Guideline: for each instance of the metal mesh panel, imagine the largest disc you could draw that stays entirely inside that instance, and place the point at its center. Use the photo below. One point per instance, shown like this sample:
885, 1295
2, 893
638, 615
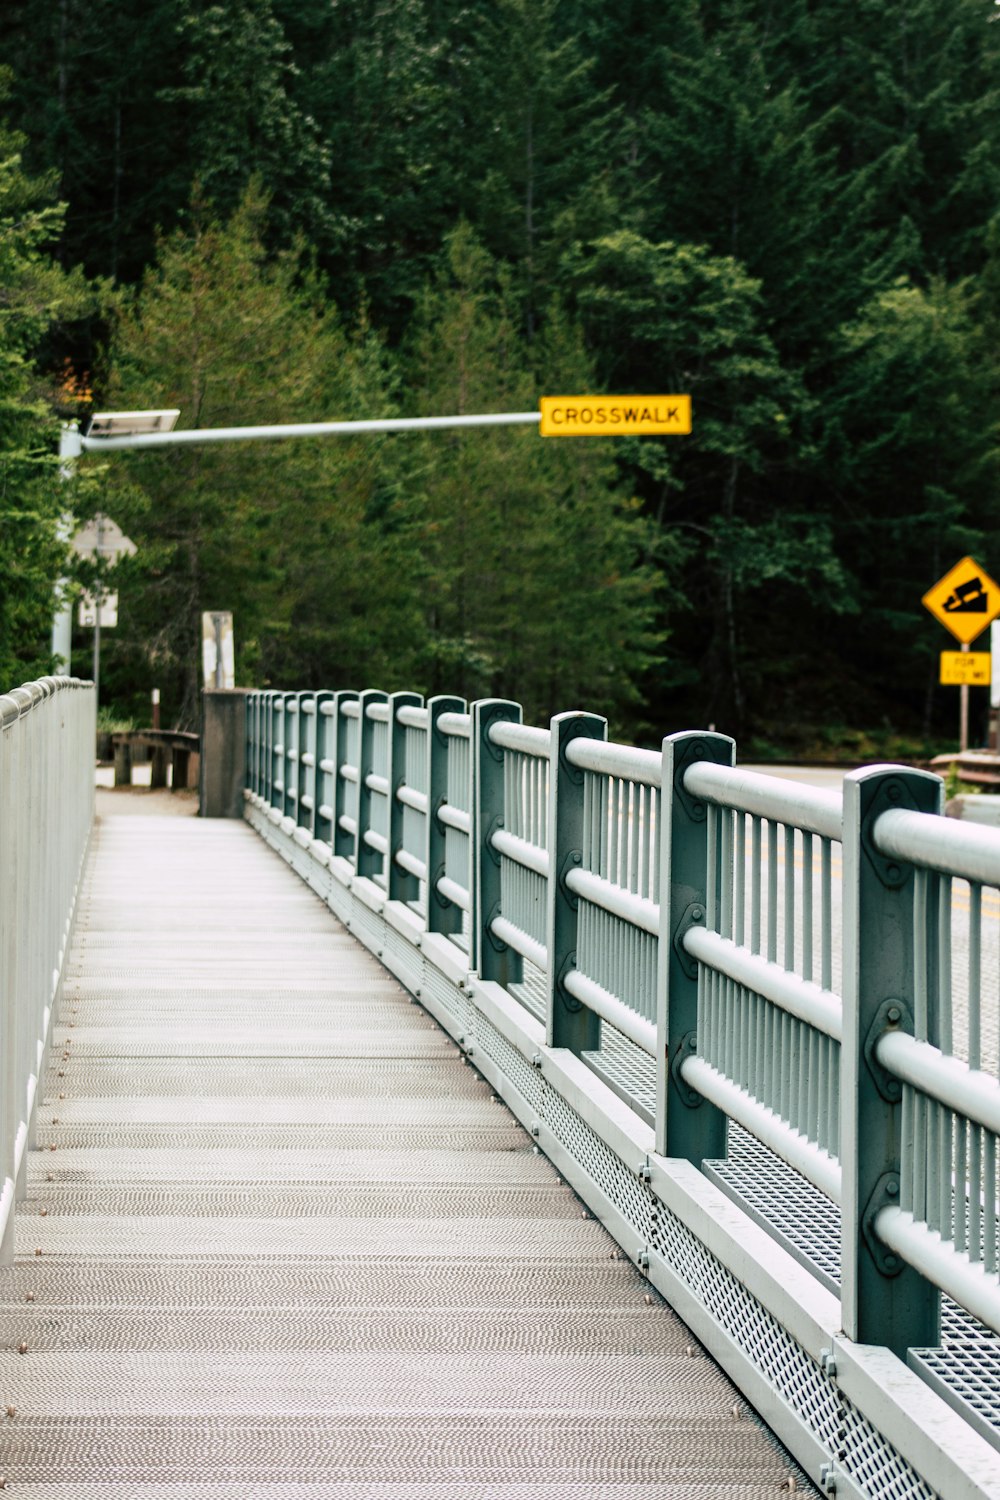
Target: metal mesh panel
526, 1079
619, 1185
405, 959
859, 1448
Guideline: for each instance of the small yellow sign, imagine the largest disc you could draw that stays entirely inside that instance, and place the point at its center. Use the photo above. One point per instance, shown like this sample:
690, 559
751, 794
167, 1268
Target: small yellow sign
615, 416
965, 668
965, 600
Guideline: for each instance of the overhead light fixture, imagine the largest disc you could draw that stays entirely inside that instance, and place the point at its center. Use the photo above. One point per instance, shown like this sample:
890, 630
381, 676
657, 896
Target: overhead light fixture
128, 423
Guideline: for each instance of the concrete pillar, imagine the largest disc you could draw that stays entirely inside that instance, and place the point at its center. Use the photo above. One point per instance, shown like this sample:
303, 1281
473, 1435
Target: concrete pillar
223, 752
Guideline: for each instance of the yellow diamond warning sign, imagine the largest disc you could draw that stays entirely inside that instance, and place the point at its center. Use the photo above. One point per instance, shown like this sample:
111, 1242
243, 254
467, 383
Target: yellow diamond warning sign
615, 416
965, 668
965, 600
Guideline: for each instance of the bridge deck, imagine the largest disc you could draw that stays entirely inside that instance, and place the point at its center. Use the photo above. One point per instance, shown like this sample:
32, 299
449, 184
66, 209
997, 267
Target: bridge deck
279, 1239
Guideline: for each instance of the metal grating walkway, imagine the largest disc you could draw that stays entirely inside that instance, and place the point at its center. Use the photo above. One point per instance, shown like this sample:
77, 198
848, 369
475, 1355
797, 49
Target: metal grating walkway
280, 1240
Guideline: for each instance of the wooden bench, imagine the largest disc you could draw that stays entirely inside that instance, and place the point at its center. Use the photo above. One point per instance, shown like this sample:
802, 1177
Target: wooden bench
176, 748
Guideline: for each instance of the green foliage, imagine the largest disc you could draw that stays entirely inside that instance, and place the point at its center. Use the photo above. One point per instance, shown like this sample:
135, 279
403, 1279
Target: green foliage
538, 578
35, 295
789, 212
298, 539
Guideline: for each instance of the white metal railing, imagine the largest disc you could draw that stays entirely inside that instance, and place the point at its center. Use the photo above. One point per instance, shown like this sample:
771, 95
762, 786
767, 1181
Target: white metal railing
775, 957
46, 810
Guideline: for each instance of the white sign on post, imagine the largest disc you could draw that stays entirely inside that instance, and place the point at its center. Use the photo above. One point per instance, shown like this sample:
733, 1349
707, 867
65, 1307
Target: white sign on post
88, 615
102, 537
995, 673
218, 651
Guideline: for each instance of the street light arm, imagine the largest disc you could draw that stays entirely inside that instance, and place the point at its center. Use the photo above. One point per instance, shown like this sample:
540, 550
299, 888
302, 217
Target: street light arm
306, 429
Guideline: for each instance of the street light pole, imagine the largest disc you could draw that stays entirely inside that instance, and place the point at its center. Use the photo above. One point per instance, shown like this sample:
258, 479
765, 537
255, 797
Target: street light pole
70, 448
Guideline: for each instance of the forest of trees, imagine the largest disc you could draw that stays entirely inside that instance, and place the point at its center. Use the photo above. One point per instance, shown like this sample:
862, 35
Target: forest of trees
306, 210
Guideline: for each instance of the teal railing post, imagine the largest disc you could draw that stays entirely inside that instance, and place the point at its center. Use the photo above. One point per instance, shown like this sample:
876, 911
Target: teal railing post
368, 860
276, 798
488, 956
306, 748
400, 885
686, 1124
322, 827
290, 739
343, 839
567, 1023
442, 915
882, 1301
250, 744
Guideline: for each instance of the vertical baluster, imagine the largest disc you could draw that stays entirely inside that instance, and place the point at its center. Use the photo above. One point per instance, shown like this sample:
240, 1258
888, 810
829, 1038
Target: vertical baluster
975, 974
975, 1193
932, 1115
755, 880
946, 1172
739, 879
991, 1206
906, 1137
919, 939
826, 915
961, 1185
944, 986
726, 872
807, 906
789, 902
772, 891
711, 889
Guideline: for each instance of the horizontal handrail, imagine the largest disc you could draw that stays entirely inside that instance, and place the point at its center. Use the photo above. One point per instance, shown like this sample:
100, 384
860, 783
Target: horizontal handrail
458, 726
638, 910
521, 942
528, 856
411, 864
949, 845
453, 892
809, 808
804, 1156
411, 716
968, 1091
623, 761
454, 817
617, 1014
969, 1283
524, 738
410, 797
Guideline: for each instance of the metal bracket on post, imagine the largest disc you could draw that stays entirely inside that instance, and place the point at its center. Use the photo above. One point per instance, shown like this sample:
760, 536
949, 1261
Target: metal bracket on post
885, 1195
892, 793
567, 1022
693, 916
892, 1015
686, 1047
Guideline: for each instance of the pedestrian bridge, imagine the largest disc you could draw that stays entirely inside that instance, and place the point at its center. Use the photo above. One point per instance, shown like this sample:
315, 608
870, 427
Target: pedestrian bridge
539, 1090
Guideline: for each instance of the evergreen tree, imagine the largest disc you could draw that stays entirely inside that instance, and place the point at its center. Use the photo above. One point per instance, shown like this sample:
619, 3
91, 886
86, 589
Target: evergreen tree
300, 538
536, 586
37, 295
89, 94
